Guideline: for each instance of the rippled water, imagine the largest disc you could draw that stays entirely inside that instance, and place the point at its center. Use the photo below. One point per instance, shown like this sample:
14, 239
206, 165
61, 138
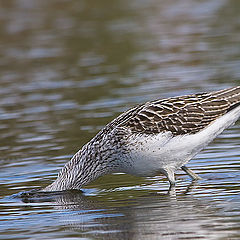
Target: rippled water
69, 67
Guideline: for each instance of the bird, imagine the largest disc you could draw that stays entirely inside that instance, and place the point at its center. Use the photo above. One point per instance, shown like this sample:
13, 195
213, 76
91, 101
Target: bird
156, 137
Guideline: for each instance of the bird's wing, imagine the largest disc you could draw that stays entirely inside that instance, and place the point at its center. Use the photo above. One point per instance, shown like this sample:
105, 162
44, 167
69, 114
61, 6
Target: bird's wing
180, 115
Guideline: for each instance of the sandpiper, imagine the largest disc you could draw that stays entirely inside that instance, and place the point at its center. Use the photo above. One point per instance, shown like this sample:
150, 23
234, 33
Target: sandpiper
159, 136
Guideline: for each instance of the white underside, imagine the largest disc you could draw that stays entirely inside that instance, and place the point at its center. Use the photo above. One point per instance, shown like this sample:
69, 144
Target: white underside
153, 154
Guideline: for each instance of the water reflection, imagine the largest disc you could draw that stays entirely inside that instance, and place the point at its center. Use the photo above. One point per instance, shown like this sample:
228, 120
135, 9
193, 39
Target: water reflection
151, 216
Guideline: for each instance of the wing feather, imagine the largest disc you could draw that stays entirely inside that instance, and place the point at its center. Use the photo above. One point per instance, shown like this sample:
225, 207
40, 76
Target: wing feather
180, 115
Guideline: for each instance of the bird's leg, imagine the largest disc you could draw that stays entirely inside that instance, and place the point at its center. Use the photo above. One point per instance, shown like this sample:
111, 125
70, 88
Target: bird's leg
193, 175
172, 191
169, 173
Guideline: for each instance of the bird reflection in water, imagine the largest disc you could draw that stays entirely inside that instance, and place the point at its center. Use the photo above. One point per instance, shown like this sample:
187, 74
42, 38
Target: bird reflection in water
159, 215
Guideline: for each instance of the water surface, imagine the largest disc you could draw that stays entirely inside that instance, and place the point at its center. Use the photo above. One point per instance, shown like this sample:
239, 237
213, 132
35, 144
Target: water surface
69, 67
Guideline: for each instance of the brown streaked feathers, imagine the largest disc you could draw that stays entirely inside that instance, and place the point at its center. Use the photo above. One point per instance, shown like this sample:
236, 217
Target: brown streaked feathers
181, 115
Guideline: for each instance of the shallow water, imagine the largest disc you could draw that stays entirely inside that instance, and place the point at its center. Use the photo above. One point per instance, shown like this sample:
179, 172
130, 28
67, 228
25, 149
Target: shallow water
68, 68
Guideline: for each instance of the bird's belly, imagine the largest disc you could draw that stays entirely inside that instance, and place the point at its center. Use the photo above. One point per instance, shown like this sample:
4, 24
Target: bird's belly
147, 156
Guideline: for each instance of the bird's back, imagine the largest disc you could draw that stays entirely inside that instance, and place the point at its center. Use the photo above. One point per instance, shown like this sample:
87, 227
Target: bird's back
181, 115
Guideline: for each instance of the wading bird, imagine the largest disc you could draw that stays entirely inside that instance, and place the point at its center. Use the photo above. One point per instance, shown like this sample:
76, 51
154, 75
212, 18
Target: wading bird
159, 136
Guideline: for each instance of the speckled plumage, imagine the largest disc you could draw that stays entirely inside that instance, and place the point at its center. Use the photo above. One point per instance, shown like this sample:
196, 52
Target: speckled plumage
155, 137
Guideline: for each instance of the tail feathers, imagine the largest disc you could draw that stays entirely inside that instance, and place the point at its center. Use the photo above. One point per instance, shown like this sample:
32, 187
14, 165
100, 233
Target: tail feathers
234, 106
232, 95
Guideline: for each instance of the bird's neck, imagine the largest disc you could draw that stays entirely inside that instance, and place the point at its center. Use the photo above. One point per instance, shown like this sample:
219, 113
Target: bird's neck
86, 165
